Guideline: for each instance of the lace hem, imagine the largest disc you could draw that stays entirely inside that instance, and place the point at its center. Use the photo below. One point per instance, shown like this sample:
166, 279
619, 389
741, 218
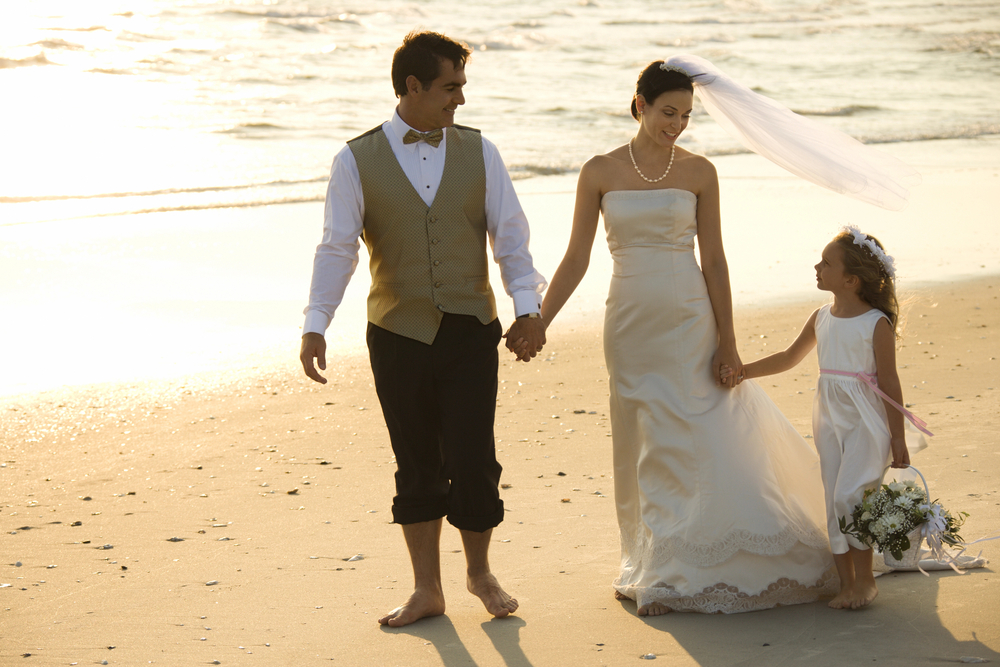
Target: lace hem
723, 598
653, 553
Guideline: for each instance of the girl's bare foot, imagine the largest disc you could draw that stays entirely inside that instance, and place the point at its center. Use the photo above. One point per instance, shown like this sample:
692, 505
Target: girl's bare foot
495, 599
864, 594
420, 605
860, 595
842, 600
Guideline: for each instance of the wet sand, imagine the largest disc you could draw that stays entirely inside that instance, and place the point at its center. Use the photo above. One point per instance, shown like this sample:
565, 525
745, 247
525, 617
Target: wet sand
244, 518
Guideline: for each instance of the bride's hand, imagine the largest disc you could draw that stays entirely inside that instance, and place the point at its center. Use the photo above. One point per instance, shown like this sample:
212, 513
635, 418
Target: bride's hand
727, 372
727, 368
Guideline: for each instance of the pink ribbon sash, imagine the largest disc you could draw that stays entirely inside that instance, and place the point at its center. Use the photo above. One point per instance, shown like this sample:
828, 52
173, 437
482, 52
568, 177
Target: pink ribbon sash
872, 382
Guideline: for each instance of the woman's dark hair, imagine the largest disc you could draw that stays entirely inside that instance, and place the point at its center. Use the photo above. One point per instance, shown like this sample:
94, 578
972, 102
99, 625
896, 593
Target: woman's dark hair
420, 55
654, 81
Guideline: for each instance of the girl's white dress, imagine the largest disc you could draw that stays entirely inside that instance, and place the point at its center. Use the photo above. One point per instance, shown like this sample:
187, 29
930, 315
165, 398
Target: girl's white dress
849, 419
719, 499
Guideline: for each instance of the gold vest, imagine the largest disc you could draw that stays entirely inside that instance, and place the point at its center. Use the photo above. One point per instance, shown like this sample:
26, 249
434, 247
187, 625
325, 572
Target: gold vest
425, 260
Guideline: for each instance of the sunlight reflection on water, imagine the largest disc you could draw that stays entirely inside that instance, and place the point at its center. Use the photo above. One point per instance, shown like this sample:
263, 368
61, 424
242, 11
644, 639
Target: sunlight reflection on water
118, 107
160, 295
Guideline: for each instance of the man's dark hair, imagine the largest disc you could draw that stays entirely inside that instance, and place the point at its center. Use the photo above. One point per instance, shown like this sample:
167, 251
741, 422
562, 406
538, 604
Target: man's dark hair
420, 55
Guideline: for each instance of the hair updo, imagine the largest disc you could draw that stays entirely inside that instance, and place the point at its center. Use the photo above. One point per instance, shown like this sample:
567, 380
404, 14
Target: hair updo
654, 81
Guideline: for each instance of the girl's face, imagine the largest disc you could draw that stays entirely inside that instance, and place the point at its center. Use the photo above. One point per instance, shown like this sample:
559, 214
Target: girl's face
667, 116
830, 273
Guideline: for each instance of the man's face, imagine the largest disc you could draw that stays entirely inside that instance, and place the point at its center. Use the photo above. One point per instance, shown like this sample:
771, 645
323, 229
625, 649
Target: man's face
435, 107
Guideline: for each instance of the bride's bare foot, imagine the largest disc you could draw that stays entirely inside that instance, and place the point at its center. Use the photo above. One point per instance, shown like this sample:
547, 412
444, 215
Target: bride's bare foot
494, 598
420, 605
653, 609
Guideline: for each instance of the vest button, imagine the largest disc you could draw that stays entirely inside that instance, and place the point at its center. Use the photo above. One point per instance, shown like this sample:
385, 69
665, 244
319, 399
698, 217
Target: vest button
437, 284
432, 219
436, 262
434, 241
440, 307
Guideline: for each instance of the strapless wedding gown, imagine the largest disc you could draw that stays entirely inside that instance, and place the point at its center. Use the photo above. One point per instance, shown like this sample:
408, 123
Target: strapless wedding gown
720, 501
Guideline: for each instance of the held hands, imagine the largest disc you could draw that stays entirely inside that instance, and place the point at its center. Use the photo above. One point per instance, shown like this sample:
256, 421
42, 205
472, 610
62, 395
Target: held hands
526, 337
727, 368
726, 373
313, 347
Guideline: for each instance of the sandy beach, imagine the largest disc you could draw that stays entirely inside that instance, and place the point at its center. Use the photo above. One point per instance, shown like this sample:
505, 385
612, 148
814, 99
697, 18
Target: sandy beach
241, 514
174, 490
246, 520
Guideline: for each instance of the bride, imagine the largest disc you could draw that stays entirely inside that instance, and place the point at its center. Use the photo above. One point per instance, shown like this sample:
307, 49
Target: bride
719, 500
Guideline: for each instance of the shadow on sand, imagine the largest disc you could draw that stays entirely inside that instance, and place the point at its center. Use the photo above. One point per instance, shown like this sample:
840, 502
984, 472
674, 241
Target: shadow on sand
440, 632
904, 626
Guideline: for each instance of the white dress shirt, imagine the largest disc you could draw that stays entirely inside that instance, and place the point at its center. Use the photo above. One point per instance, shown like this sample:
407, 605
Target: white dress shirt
337, 256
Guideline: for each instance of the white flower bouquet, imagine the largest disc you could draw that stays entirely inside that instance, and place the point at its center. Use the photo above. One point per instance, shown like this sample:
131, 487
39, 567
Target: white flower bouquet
887, 516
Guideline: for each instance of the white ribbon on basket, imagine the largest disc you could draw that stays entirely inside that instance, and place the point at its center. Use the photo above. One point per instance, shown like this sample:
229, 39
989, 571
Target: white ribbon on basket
936, 526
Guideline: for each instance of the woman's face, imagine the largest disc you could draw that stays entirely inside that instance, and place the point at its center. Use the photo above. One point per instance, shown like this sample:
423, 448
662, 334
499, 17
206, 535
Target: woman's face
667, 116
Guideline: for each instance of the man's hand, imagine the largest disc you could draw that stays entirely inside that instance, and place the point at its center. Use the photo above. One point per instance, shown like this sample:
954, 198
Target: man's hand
526, 337
313, 347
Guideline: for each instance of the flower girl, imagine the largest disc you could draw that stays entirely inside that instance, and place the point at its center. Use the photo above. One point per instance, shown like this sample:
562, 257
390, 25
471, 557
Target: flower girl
857, 420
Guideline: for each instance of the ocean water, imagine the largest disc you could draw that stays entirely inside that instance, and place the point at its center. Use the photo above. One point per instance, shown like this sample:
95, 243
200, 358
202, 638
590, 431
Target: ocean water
121, 107
164, 161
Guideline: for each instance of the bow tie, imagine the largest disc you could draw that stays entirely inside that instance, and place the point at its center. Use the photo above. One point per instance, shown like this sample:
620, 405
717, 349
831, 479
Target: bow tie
433, 137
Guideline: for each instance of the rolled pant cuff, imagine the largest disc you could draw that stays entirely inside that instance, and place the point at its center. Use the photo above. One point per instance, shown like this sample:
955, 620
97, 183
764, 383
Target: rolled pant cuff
408, 515
478, 524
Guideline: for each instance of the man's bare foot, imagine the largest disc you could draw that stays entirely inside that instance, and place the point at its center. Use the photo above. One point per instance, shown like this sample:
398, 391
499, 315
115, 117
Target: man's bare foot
653, 609
496, 600
420, 605
621, 596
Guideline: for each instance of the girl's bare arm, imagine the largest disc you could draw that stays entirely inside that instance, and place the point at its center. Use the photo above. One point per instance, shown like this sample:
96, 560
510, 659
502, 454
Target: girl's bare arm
888, 382
787, 358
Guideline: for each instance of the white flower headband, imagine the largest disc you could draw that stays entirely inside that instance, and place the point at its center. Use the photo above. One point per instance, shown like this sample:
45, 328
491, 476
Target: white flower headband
861, 239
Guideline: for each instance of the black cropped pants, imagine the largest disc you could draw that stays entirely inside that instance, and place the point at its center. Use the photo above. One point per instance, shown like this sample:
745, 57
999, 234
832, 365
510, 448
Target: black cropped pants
439, 403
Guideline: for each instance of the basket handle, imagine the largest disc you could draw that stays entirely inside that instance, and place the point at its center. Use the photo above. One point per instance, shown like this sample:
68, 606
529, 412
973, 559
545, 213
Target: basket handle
922, 479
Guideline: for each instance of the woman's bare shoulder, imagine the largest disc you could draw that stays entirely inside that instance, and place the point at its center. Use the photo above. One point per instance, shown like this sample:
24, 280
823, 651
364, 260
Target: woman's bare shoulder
610, 160
696, 163
605, 166
699, 170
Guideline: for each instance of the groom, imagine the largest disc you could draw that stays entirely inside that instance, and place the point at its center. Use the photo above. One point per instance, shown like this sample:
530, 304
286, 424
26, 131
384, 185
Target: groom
425, 194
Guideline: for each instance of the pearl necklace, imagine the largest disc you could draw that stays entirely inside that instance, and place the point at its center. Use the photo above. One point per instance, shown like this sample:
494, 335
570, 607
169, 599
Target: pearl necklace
650, 180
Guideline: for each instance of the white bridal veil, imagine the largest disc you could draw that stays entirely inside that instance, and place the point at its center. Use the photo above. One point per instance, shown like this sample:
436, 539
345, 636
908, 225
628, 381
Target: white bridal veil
808, 149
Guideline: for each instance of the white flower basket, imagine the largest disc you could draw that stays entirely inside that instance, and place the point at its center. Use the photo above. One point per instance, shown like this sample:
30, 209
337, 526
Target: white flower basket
910, 557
